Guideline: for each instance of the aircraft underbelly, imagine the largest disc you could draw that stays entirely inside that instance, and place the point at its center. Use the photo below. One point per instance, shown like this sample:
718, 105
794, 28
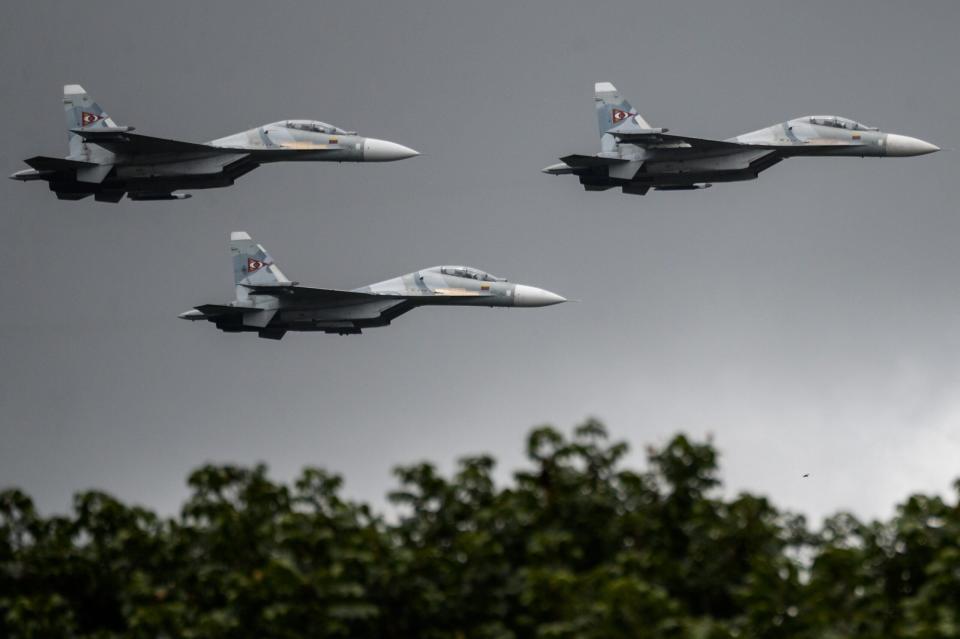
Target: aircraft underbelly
171, 183
306, 155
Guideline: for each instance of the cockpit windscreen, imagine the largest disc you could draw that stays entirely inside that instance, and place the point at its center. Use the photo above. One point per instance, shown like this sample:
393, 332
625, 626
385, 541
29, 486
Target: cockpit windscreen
470, 273
314, 126
837, 122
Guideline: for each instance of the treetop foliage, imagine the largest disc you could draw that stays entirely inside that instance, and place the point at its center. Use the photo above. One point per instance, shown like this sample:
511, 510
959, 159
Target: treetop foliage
577, 545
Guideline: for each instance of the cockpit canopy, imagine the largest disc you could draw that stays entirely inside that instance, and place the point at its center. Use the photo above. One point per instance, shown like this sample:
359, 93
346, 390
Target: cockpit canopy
837, 122
470, 273
313, 126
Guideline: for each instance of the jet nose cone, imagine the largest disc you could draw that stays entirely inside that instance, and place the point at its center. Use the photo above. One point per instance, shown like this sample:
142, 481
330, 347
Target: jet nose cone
375, 150
192, 314
532, 296
904, 146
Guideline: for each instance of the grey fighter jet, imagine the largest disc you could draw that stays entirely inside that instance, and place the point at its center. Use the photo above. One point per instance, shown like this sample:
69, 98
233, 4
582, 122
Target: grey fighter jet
109, 161
636, 157
269, 304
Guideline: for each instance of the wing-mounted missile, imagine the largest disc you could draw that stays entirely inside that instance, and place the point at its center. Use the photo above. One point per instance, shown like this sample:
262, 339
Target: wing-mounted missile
213, 311
682, 187
28, 175
150, 197
560, 168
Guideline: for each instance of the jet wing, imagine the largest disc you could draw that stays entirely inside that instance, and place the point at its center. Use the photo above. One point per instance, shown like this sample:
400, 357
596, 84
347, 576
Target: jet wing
699, 143
317, 295
344, 307
338, 297
122, 141
632, 132
668, 141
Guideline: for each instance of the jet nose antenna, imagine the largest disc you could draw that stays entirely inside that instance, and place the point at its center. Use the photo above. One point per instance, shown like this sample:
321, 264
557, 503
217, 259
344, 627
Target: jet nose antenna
905, 146
375, 150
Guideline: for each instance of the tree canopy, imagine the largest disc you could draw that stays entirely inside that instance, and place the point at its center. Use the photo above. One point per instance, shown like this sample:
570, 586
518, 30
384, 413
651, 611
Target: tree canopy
578, 544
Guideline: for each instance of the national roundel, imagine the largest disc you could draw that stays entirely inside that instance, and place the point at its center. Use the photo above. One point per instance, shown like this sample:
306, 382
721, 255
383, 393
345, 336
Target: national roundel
87, 118
619, 116
254, 265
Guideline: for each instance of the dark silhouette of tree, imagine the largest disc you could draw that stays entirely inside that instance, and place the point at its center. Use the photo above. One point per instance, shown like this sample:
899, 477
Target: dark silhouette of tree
578, 544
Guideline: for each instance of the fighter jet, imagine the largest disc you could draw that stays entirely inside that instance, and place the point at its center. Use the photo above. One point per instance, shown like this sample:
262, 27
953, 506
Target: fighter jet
269, 304
109, 161
636, 157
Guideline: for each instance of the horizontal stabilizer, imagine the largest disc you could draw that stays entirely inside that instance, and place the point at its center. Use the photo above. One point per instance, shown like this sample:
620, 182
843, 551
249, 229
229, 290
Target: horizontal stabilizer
224, 310
630, 129
120, 140
42, 163
586, 161
104, 130
271, 286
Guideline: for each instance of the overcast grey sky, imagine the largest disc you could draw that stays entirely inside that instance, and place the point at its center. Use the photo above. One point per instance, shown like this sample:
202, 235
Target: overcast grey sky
810, 320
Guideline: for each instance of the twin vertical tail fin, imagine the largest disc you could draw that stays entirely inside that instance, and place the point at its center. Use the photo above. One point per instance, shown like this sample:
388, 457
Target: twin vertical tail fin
612, 109
252, 265
82, 113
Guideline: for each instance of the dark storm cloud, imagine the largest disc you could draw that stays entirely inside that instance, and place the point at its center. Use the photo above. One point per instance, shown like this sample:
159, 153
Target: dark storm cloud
809, 319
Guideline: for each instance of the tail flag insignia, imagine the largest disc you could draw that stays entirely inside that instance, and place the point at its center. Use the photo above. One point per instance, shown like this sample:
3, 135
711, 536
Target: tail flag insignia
81, 112
252, 265
87, 118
